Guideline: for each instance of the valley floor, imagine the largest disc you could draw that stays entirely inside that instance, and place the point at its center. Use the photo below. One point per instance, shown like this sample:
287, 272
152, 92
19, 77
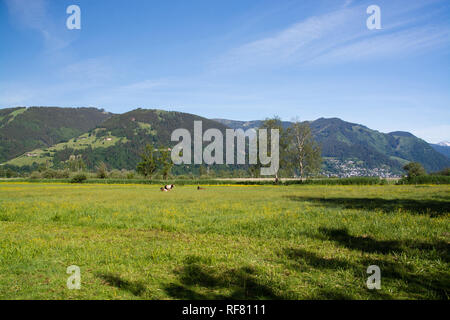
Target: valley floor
224, 242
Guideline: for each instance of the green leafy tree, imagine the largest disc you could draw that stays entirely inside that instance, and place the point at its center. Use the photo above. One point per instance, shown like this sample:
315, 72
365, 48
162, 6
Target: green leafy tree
444, 172
147, 166
165, 162
268, 124
79, 178
304, 151
102, 170
76, 163
42, 167
414, 169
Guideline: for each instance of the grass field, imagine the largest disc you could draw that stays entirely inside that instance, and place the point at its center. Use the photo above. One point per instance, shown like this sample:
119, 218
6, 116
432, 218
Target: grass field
232, 242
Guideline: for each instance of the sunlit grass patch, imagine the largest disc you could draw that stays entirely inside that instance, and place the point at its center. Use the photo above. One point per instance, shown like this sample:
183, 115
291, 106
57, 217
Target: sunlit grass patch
258, 242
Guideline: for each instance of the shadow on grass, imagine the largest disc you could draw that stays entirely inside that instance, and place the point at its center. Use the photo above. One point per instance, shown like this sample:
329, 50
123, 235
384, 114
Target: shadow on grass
433, 208
136, 288
200, 281
302, 260
418, 284
329, 294
368, 244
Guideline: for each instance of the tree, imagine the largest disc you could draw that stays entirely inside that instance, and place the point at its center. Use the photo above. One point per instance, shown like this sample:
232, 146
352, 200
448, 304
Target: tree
414, 169
76, 163
444, 172
253, 170
305, 153
202, 170
147, 166
165, 162
274, 123
102, 170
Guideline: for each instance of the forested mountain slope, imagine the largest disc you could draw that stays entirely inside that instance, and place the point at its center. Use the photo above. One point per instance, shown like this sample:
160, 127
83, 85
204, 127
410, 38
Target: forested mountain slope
24, 129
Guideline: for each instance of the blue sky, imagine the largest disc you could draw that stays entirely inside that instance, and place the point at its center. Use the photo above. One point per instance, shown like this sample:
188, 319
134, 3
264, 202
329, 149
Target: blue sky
235, 59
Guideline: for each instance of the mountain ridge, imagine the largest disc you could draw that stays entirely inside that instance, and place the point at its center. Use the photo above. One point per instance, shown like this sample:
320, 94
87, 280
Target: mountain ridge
347, 141
443, 149
23, 129
117, 139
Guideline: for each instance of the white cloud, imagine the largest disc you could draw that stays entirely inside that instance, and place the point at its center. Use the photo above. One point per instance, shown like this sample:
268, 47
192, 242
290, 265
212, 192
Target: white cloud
433, 134
97, 70
34, 15
347, 3
387, 45
289, 45
31, 14
144, 85
337, 37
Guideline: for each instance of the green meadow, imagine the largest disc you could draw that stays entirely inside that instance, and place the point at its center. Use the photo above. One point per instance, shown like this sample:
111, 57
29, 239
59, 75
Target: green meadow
224, 242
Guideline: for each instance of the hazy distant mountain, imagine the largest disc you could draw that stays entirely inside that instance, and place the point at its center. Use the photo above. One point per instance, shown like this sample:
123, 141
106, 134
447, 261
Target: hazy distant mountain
443, 148
444, 143
245, 125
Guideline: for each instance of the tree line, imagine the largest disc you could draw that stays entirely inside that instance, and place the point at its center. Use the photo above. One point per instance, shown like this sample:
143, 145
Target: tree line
153, 160
300, 154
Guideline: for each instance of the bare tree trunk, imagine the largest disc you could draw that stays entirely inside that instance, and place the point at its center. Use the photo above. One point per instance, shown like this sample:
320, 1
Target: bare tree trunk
301, 169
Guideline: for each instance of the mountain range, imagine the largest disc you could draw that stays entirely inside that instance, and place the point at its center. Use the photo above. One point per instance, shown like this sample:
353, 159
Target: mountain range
442, 147
50, 135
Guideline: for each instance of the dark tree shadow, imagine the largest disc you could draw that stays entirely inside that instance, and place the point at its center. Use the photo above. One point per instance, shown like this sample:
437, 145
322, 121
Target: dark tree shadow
433, 208
300, 258
340, 294
366, 244
136, 288
416, 285
329, 294
194, 276
370, 245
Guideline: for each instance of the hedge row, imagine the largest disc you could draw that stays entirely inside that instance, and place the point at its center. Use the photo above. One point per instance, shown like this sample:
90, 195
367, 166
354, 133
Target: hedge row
330, 181
431, 179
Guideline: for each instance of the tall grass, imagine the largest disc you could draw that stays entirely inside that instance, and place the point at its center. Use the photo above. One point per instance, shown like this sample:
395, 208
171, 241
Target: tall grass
223, 242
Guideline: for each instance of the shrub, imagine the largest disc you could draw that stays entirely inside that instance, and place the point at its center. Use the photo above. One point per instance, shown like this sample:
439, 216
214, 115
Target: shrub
53, 174
115, 174
79, 178
49, 174
445, 172
63, 174
35, 175
414, 169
